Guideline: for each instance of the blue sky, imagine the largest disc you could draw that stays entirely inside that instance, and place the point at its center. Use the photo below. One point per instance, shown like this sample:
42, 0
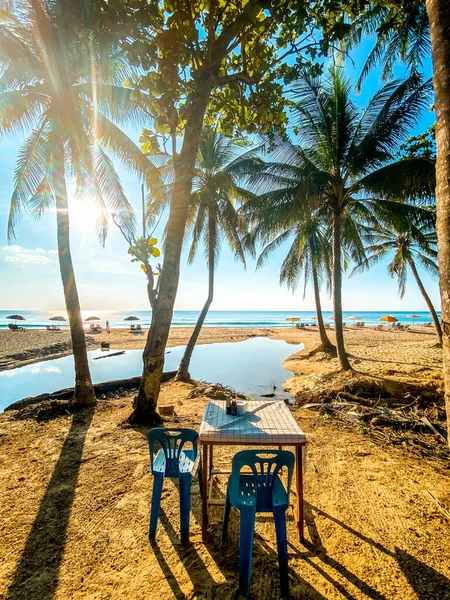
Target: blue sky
108, 280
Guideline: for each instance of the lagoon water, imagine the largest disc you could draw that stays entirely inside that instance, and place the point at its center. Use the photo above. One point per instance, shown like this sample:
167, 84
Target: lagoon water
251, 367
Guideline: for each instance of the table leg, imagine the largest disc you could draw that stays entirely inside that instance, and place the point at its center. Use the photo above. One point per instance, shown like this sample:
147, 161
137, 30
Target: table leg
299, 490
205, 472
210, 461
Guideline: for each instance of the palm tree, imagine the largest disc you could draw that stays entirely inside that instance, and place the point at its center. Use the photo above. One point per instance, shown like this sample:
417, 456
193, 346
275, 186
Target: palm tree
402, 30
345, 161
309, 252
410, 246
48, 86
220, 168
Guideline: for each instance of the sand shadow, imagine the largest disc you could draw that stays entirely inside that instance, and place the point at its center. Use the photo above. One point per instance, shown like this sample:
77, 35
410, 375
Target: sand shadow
37, 573
425, 581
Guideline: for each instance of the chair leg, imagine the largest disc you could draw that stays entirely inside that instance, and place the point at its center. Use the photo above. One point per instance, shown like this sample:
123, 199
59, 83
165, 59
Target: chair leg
185, 506
280, 527
226, 517
200, 480
158, 481
246, 535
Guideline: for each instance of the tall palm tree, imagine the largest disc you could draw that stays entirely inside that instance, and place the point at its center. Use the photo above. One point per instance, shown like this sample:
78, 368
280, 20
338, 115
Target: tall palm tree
346, 161
402, 30
309, 252
410, 247
57, 84
221, 168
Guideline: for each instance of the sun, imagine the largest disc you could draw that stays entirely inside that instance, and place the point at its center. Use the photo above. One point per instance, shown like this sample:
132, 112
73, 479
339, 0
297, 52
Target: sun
84, 214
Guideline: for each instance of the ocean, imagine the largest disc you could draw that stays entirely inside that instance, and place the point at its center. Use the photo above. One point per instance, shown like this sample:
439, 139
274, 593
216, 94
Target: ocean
215, 318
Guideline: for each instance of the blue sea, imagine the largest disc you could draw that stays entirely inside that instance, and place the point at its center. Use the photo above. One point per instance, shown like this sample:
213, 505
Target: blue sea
215, 318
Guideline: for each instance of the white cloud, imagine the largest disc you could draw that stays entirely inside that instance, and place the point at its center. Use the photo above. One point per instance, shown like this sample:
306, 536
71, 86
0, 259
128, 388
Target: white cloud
20, 255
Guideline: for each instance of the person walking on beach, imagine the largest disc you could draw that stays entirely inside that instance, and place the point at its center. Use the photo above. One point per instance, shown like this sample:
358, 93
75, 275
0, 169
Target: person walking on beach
107, 327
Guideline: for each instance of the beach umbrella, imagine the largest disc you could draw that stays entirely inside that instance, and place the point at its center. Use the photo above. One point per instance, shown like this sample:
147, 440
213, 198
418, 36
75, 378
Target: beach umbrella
16, 318
131, 318
353, 318
292, 320
93, 319
413, 317
59, 318
388, 319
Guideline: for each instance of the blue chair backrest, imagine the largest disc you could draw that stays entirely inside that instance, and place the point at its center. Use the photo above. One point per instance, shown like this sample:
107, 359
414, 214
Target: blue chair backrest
171, 441
266, 466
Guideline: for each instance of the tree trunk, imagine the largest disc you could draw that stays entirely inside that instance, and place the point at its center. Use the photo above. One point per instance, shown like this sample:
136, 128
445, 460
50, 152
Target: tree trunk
326, 344
183, 369
337, 291
147, 398
84, 394
439, 17
427, 299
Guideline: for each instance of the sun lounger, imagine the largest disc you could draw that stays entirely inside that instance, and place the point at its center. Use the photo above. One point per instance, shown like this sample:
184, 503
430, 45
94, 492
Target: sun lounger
15, 327
138, 327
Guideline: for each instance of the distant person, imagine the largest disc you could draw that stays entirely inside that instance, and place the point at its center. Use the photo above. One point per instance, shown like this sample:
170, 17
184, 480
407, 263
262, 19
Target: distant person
107, 327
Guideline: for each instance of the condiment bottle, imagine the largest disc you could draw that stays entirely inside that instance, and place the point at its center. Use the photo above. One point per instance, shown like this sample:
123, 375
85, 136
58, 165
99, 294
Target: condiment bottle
234, 407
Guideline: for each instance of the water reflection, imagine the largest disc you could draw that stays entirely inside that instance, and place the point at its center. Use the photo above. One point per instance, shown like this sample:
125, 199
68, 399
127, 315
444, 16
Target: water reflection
252, 367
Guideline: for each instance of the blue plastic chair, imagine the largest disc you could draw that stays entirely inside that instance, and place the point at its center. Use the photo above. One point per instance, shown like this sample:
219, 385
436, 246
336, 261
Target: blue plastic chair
173, 461
259, 491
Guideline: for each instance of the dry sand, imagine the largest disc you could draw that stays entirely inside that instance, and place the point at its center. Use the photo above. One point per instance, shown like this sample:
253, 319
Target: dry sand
75, 494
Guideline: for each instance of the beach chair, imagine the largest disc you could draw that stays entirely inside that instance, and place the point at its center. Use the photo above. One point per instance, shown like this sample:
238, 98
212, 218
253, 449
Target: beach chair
175, 461
261, 490
138, 327
132, 327
15, 327
344, 324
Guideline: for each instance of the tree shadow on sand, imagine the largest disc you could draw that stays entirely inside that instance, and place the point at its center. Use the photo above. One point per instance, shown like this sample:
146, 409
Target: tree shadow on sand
425, 581
37, 573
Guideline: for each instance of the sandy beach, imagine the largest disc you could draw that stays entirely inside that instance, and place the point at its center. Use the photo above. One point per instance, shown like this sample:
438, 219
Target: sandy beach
75, 509
33, 345
373, 506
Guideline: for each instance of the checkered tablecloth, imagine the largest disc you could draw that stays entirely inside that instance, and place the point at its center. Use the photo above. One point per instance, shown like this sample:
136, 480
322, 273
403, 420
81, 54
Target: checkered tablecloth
265, 422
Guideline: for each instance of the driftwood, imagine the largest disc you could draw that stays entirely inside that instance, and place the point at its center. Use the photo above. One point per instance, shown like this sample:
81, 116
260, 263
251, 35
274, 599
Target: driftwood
439, 504
99, 388
109, 355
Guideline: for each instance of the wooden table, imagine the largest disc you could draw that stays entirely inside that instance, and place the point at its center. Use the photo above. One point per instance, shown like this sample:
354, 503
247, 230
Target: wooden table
266, 423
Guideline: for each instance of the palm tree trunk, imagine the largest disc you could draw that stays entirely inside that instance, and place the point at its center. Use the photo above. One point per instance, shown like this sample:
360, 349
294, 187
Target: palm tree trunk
84, 394
337, 290
326, 344
183, 369
423, 291
147, 398
439, 17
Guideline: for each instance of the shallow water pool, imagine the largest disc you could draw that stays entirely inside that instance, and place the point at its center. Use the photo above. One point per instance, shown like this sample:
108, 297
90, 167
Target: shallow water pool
251, 367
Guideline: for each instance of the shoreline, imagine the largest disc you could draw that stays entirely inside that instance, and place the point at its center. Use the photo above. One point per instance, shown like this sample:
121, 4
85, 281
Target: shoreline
19, 348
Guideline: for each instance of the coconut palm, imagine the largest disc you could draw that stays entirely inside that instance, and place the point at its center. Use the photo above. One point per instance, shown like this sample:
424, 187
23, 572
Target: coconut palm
56, 84
309, 253
409, 246
345, 161
221, 168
